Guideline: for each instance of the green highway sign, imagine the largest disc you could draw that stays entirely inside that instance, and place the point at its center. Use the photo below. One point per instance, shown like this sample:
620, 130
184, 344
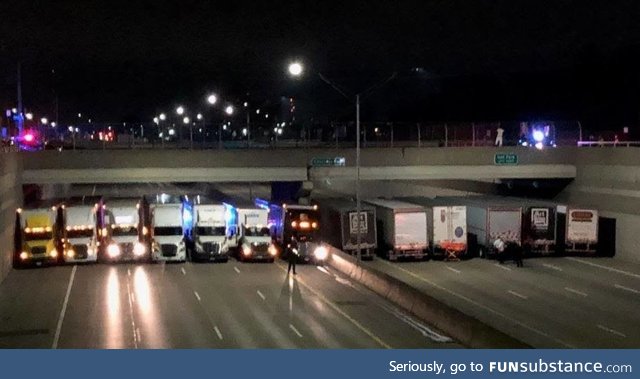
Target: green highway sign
328, 162
504, 159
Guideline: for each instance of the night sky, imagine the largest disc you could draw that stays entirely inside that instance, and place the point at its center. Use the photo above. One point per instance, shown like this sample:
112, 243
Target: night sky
479, 60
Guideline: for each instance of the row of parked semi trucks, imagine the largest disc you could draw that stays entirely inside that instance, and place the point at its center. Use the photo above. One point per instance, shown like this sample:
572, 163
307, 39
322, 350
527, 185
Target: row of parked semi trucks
177, 228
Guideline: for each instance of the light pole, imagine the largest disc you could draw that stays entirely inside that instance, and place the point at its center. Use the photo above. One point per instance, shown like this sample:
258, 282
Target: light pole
187, 121
296, 69
179, 112
162, 117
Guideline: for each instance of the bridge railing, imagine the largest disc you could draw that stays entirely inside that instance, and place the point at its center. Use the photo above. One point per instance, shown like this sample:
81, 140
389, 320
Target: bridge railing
608, 143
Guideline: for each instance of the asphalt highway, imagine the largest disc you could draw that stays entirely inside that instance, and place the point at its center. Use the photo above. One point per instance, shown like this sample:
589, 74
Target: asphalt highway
552, 302
232, 305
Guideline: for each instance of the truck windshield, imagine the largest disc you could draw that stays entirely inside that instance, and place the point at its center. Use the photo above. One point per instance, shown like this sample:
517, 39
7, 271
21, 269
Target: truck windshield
34, 236
256, 232
124, 230
80, 233
210, 230
167, 231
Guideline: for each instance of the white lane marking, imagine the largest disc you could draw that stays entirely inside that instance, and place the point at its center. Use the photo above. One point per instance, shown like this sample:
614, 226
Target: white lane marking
502, 266
217, 332
612, 331
295, 330
236, 269
479, 305
138, 335
514, 293
261, 295
453, 269
569, 289
343, 281
618, 286
337, 309
604, 267
323, 269
134, 330
56, 337
197, 296
133, 297
183, 271
129, 271
553, 267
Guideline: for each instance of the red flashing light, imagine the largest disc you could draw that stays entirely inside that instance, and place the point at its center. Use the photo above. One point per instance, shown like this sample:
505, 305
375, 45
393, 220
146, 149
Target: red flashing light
29, 137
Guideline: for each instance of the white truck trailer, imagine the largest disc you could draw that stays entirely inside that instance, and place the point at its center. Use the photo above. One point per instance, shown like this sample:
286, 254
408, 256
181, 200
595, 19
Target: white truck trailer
446, 226
402, 229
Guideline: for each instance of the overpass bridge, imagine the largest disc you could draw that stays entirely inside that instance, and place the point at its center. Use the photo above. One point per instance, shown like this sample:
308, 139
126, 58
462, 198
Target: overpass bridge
283, 165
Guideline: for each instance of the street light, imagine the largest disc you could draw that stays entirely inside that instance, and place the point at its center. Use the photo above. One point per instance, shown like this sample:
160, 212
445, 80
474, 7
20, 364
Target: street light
212, 99
199, 116
295, 70
44, 121
180, 110
29, 116
229, 110
162, 117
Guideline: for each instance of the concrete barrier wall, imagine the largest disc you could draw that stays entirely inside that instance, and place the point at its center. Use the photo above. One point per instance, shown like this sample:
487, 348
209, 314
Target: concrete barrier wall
608, 179
10, 199
463, 328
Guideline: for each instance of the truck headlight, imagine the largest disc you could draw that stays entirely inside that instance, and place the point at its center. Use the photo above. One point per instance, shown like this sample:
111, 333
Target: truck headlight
139, 249
321, 253
113, 250
273, 250
71, 253
24, 255
53, 253
246, 251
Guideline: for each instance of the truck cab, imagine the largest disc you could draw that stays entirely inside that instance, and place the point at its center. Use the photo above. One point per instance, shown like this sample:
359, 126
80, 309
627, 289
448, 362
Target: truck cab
125, 234
37, 236
80, 232
253, 236
209, 232
295, 230
168, 241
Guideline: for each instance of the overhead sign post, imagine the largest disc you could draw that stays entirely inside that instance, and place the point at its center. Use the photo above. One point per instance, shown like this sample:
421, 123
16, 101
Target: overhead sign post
505, 159
329, 162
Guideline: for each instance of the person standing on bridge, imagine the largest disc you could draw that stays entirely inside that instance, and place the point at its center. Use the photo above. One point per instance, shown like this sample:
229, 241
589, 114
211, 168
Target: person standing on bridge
499, 133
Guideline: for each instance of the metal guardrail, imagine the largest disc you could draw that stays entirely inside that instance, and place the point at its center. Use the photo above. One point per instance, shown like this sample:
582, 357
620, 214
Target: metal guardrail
609, 143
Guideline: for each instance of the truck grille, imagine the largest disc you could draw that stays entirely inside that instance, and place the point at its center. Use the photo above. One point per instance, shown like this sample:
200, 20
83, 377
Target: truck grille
81, 251
210, 247
169, 250
38, 250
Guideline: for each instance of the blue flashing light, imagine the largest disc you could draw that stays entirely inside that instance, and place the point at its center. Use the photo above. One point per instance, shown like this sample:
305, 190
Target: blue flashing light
261, 203
538, 136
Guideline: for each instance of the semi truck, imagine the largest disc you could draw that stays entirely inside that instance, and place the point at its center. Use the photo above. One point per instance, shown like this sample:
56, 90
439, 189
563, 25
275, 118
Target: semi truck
294, 229
208, 228
488, 219
80, 232
253, 238
167, 234
340, 226
446, 227
126, 231
37, 236
402, 229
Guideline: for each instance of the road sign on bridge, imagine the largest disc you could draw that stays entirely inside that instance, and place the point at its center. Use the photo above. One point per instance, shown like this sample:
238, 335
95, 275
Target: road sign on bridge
504, 159
328, 162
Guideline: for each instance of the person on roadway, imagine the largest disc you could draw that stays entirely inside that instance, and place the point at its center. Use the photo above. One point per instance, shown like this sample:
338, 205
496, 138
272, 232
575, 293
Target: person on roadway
292, 257
499, 245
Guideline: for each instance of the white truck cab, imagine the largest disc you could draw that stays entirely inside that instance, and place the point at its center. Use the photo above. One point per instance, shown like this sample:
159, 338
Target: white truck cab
125, 230
80, 234
209, 233
168, 243
253, 237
